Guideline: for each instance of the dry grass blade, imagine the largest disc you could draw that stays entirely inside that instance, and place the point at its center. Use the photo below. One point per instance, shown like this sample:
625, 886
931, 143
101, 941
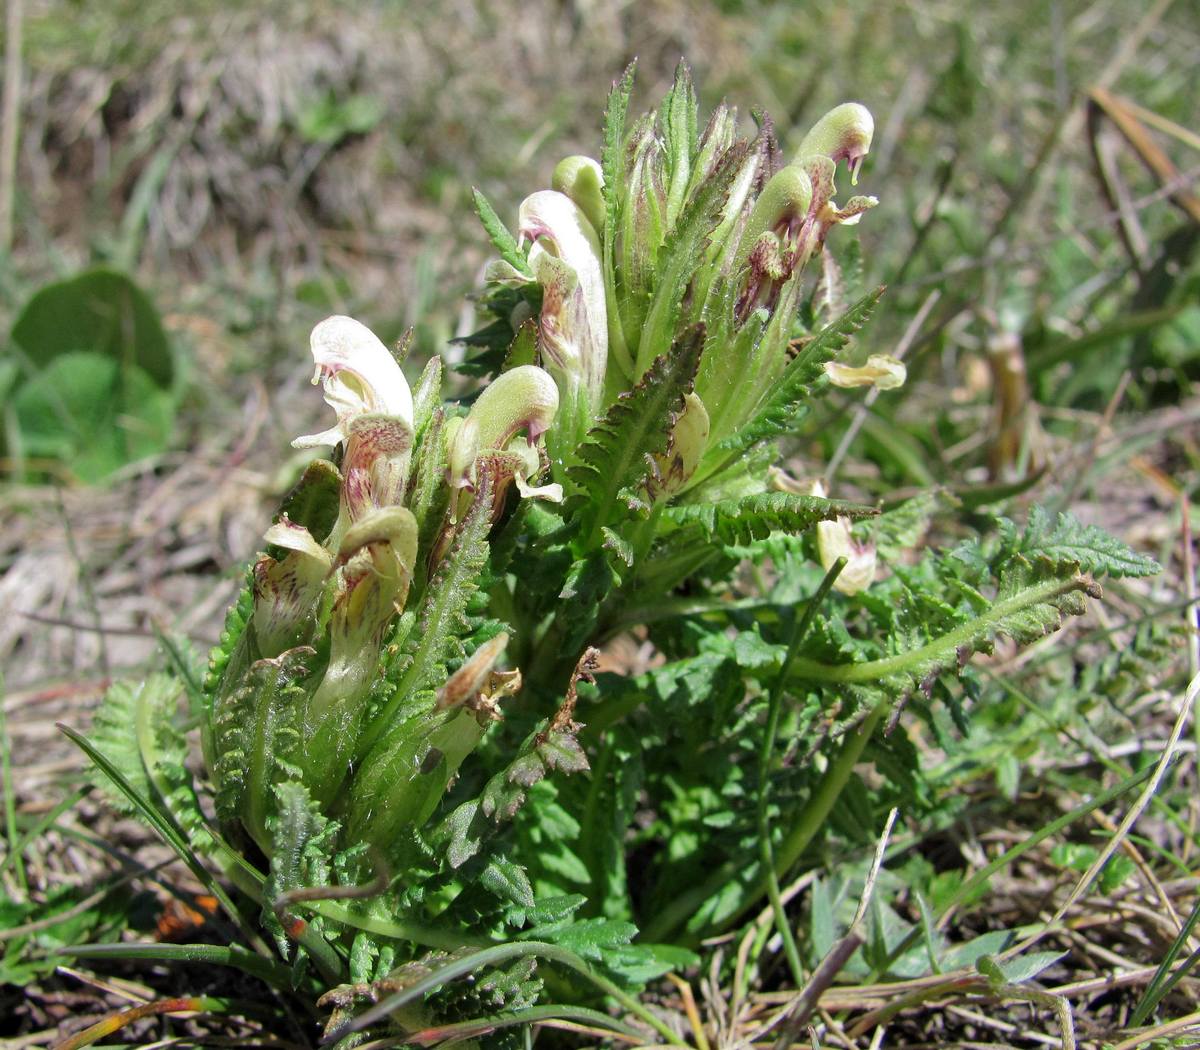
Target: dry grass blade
839, 954
1101, 101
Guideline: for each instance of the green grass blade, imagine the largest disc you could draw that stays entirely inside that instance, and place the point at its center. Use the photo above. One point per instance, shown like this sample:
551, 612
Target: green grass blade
493, 956
162, 824
275, 974
1161, 985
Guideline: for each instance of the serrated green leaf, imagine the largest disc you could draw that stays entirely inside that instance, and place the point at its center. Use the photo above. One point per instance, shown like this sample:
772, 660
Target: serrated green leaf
503, 241
588, 938
616, 543
681, 255
1028, 606
1065, 541
751, 518
787, 401
507, 879
638, 424
612, 164
679, 127
612, 155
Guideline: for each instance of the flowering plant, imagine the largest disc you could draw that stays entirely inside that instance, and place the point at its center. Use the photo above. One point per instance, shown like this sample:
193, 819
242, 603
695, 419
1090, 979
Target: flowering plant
420, 767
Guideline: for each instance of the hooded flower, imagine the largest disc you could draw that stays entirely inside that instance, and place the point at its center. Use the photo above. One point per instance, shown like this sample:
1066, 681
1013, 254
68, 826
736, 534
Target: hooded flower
523, 398
360, 377
363, 384
565, 259
287, 590
844, 133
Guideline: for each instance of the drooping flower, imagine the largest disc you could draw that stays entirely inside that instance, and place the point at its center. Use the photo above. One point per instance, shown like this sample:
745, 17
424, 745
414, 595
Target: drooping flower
881, 371
835, 539
842, 134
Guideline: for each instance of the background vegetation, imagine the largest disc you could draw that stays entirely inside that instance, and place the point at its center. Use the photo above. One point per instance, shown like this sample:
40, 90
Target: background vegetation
239, 173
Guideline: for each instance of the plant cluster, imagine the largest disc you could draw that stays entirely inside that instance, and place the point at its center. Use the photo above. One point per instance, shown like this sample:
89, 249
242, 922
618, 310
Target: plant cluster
418, 769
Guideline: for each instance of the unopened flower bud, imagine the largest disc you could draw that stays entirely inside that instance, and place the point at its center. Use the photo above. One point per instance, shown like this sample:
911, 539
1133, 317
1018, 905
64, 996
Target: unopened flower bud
377, 557
404, 776
689, 438
582, 179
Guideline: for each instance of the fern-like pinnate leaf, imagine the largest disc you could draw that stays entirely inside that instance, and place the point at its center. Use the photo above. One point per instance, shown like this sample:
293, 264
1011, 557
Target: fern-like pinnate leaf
226, 649
255, 724
636, 426
136, 729
1063, 541
750, 518
1028, 608
115, 732
787, 403
303, 844
938, 621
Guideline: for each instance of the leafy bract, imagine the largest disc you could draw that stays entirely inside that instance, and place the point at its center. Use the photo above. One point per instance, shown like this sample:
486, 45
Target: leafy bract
741, 521
786, 404
637, 425
502, 240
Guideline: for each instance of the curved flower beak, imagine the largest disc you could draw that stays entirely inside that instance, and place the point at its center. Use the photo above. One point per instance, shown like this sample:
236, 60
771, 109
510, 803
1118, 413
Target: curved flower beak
582, 179
844, 133
360, 377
